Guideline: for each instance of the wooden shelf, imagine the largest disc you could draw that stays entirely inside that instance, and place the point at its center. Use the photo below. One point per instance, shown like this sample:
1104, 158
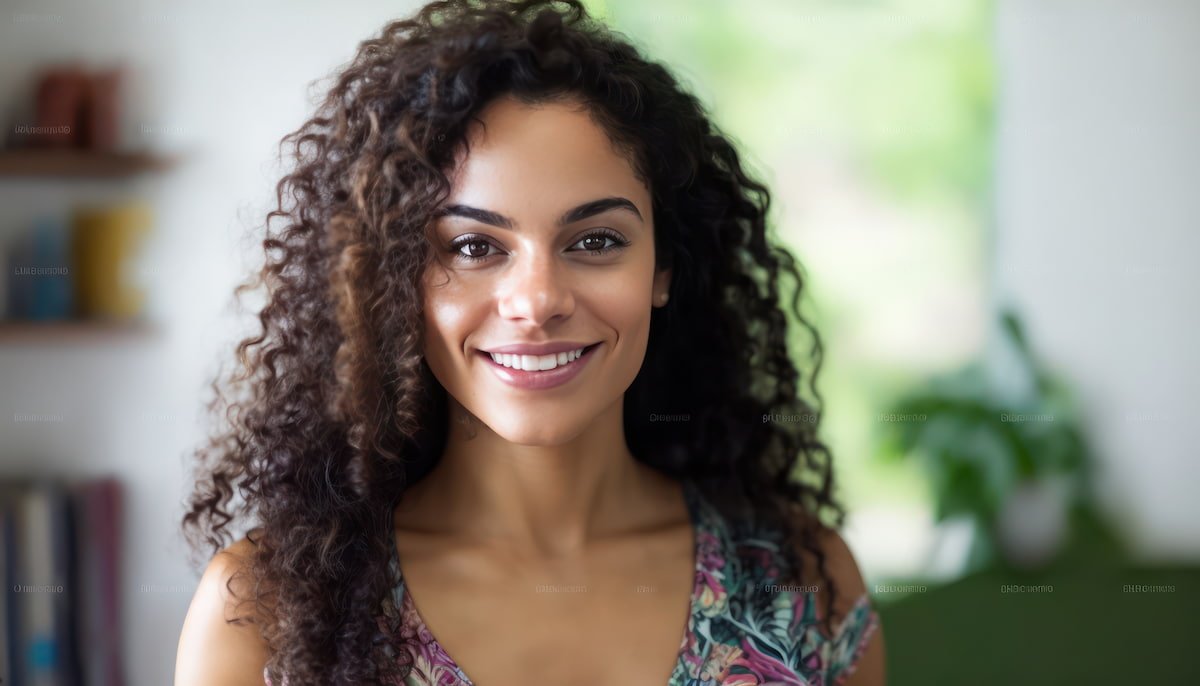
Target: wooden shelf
79, 164
72, 331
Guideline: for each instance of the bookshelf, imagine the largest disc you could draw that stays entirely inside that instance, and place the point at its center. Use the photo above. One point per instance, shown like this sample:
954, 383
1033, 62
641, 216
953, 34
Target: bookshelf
77, 331
71, 163
65, 164
60, 613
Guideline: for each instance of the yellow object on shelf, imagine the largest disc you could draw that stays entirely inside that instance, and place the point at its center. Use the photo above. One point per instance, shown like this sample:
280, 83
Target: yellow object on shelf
104, 242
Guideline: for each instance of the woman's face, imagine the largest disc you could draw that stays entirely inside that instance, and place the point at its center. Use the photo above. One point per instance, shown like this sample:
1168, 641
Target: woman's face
547, 238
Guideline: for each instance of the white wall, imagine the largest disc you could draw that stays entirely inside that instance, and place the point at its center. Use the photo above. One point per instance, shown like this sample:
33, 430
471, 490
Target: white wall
1097, 234
221, 82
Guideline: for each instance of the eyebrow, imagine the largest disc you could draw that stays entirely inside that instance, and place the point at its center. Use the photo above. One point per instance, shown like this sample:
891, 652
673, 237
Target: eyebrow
575, 214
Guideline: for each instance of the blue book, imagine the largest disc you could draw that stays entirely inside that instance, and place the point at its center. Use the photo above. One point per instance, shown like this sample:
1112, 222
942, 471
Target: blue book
19, 286
51, 277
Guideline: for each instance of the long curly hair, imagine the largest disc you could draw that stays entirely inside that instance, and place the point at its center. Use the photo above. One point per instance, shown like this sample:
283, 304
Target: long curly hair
331, 411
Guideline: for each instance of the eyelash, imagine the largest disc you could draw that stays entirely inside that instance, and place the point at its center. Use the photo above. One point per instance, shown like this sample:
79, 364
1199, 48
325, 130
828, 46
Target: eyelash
456, 246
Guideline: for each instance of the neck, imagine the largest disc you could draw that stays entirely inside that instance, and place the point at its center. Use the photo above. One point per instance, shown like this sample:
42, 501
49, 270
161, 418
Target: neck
548, 500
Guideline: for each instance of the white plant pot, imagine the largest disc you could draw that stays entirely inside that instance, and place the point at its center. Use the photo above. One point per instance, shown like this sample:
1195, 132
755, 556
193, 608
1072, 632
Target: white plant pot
1032, 522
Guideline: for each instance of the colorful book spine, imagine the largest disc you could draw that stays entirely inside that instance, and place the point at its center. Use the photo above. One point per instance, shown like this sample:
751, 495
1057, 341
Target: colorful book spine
5, 279
98, 620
36, 586
8, 606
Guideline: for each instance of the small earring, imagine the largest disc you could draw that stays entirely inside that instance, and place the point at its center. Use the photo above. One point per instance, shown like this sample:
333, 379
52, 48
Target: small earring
663, 298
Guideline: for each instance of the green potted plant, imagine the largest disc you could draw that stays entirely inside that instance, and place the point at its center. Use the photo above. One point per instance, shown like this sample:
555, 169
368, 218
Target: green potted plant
1005, 450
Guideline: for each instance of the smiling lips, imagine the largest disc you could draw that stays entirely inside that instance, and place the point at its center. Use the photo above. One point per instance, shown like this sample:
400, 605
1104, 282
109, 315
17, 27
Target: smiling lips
537, 363
523, 369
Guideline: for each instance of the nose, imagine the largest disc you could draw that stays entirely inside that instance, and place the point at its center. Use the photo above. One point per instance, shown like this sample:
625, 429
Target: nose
536, 289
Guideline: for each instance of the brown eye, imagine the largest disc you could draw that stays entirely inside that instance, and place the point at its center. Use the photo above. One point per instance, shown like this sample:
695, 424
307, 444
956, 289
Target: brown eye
477, 249
601, 242
471, 249
594, 242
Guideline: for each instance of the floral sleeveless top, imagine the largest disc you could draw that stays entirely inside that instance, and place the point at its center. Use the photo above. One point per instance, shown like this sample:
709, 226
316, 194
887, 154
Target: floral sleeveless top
745, 629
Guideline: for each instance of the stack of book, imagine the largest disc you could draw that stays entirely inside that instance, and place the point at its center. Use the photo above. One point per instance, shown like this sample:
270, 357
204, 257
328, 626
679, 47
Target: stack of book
76, 265
59, 611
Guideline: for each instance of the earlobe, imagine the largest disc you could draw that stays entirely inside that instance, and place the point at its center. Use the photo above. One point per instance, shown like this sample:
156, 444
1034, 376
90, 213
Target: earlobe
662, 286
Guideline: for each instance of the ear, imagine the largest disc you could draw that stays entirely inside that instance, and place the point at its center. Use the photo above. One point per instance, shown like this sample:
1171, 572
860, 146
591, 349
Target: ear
662, 284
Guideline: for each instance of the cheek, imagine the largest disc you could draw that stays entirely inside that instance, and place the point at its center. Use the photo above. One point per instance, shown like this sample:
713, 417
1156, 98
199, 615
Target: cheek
624, 304
447, 314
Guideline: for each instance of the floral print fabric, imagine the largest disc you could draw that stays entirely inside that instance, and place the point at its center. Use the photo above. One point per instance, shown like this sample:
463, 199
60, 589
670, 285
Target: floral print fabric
745, 628
748, 629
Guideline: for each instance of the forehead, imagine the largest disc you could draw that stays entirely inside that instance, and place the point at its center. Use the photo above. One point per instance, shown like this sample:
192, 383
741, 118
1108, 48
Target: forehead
533, 158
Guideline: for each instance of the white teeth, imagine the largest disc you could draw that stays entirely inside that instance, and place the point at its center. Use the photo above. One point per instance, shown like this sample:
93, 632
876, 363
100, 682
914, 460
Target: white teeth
536, 363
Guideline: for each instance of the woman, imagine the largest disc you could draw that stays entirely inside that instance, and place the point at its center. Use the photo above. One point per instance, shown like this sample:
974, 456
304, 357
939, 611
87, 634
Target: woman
522, 407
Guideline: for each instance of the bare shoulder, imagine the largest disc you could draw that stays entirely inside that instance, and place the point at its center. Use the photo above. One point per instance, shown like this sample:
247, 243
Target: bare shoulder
843, 568
219, 642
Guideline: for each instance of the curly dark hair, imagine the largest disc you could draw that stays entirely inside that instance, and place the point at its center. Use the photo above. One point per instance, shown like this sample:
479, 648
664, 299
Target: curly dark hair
333, 412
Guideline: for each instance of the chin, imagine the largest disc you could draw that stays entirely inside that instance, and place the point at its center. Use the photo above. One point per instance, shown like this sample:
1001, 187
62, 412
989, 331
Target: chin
534, 430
